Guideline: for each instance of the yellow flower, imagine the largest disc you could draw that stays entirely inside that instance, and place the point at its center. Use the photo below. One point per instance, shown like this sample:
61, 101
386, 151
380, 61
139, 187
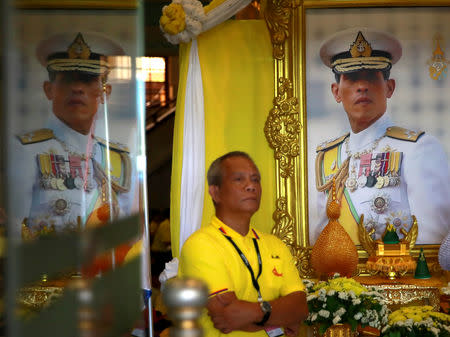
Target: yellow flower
418, 314
173, 19
341, 284
439, 315
396, 316
417, 318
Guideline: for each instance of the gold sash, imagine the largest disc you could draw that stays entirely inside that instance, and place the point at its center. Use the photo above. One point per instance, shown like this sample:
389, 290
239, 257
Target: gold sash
349, 218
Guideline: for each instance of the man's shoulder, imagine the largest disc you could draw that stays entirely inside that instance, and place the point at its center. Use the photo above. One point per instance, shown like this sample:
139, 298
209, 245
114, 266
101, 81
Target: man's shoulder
203, 243
36, 136
115, 146
331, 143
271, 239
404, 134
205, 234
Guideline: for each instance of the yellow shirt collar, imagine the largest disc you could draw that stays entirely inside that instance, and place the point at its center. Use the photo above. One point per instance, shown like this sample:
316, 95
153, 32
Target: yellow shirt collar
216, 222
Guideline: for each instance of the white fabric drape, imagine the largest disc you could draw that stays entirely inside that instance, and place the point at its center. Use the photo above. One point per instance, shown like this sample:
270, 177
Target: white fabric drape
193, 170
223, 12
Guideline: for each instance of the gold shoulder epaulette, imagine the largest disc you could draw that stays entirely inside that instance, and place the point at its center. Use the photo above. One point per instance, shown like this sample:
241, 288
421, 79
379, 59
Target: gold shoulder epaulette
331, 143
36, 136
403, 134
113, 146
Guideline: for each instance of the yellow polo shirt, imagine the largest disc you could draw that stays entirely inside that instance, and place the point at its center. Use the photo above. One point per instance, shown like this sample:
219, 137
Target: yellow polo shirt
209, 256
161, 243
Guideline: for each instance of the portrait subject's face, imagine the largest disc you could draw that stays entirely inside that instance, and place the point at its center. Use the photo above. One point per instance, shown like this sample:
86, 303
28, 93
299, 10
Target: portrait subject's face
75, 98
363, 95
240, 190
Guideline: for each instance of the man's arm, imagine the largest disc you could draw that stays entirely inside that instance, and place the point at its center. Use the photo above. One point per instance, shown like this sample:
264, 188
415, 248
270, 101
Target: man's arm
228, 313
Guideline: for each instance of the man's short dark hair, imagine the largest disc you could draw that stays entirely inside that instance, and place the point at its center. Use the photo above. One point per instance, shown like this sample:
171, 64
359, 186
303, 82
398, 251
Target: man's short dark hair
214, 175
386, 75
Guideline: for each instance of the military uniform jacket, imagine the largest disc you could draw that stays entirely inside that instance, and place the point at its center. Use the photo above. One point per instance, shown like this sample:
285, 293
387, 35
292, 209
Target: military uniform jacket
417, 167
60, 179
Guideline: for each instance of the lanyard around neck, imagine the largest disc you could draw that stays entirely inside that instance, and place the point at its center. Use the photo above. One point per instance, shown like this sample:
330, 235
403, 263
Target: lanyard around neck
247, 264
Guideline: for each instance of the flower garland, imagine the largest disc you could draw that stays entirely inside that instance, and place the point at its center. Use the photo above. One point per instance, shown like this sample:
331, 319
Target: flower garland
417, 321
344, 300
183, 20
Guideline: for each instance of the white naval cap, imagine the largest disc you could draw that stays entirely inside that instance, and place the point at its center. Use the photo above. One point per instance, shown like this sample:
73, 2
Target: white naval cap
360, 48
82, 52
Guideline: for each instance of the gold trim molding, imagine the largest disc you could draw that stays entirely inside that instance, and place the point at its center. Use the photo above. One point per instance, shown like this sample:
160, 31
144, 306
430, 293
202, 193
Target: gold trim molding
285, 127
282, 128
76, 4
286, 231
277, 17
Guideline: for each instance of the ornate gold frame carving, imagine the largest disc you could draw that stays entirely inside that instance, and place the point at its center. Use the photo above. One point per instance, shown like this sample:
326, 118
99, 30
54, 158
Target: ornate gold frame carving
285, 127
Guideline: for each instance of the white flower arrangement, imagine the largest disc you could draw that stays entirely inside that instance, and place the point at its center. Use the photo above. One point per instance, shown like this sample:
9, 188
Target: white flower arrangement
336, 319
324, 313
343, 300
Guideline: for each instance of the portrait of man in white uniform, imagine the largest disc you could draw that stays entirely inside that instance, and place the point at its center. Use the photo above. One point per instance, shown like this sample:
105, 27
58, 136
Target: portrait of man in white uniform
69, 178
382, 171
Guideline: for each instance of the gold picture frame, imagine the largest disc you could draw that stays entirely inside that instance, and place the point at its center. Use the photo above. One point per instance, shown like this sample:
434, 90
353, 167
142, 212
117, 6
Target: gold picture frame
76, 4
286, 124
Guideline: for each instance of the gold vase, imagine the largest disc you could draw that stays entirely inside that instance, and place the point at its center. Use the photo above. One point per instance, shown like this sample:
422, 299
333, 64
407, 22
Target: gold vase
336, 330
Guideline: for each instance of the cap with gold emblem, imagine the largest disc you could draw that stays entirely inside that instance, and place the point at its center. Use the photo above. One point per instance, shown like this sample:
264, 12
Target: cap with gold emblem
360, 48
82, 52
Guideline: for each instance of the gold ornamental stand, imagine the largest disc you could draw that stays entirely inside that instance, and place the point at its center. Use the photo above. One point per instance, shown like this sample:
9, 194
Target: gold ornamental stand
336, 330
406, 290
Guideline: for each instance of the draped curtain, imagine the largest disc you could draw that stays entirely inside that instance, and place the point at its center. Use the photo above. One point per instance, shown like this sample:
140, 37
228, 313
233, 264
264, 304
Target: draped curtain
221, 107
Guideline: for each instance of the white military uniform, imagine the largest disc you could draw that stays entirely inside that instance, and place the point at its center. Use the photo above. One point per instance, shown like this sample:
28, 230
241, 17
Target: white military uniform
53, 186
422, 189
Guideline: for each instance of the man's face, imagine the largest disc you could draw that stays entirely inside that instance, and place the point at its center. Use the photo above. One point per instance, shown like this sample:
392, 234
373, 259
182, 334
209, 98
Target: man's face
75, 98
364, 96
240, 190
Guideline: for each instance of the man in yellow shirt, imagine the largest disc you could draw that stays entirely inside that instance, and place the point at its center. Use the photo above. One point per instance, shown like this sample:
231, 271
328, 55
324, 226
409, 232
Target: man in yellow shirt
255, 289
161, 252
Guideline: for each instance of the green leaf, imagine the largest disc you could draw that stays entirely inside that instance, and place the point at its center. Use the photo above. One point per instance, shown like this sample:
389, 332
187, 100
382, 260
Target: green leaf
324, 327
332, 303
395, 334
353, 323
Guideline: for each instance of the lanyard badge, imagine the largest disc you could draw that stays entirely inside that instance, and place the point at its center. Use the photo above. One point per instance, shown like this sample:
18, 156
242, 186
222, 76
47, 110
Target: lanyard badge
271, 331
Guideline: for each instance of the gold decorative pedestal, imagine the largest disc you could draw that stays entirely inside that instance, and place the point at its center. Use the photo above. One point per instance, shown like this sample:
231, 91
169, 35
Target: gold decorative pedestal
406, 291
399, 295
37, 297
392, 260
337, 330
32, 299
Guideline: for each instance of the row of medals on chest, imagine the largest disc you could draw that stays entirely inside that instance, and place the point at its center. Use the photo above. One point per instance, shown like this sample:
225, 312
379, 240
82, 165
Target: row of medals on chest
55, 175
374, 169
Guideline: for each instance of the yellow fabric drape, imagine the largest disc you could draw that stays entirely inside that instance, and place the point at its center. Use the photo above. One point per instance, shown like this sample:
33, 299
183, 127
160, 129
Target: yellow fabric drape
237, 74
